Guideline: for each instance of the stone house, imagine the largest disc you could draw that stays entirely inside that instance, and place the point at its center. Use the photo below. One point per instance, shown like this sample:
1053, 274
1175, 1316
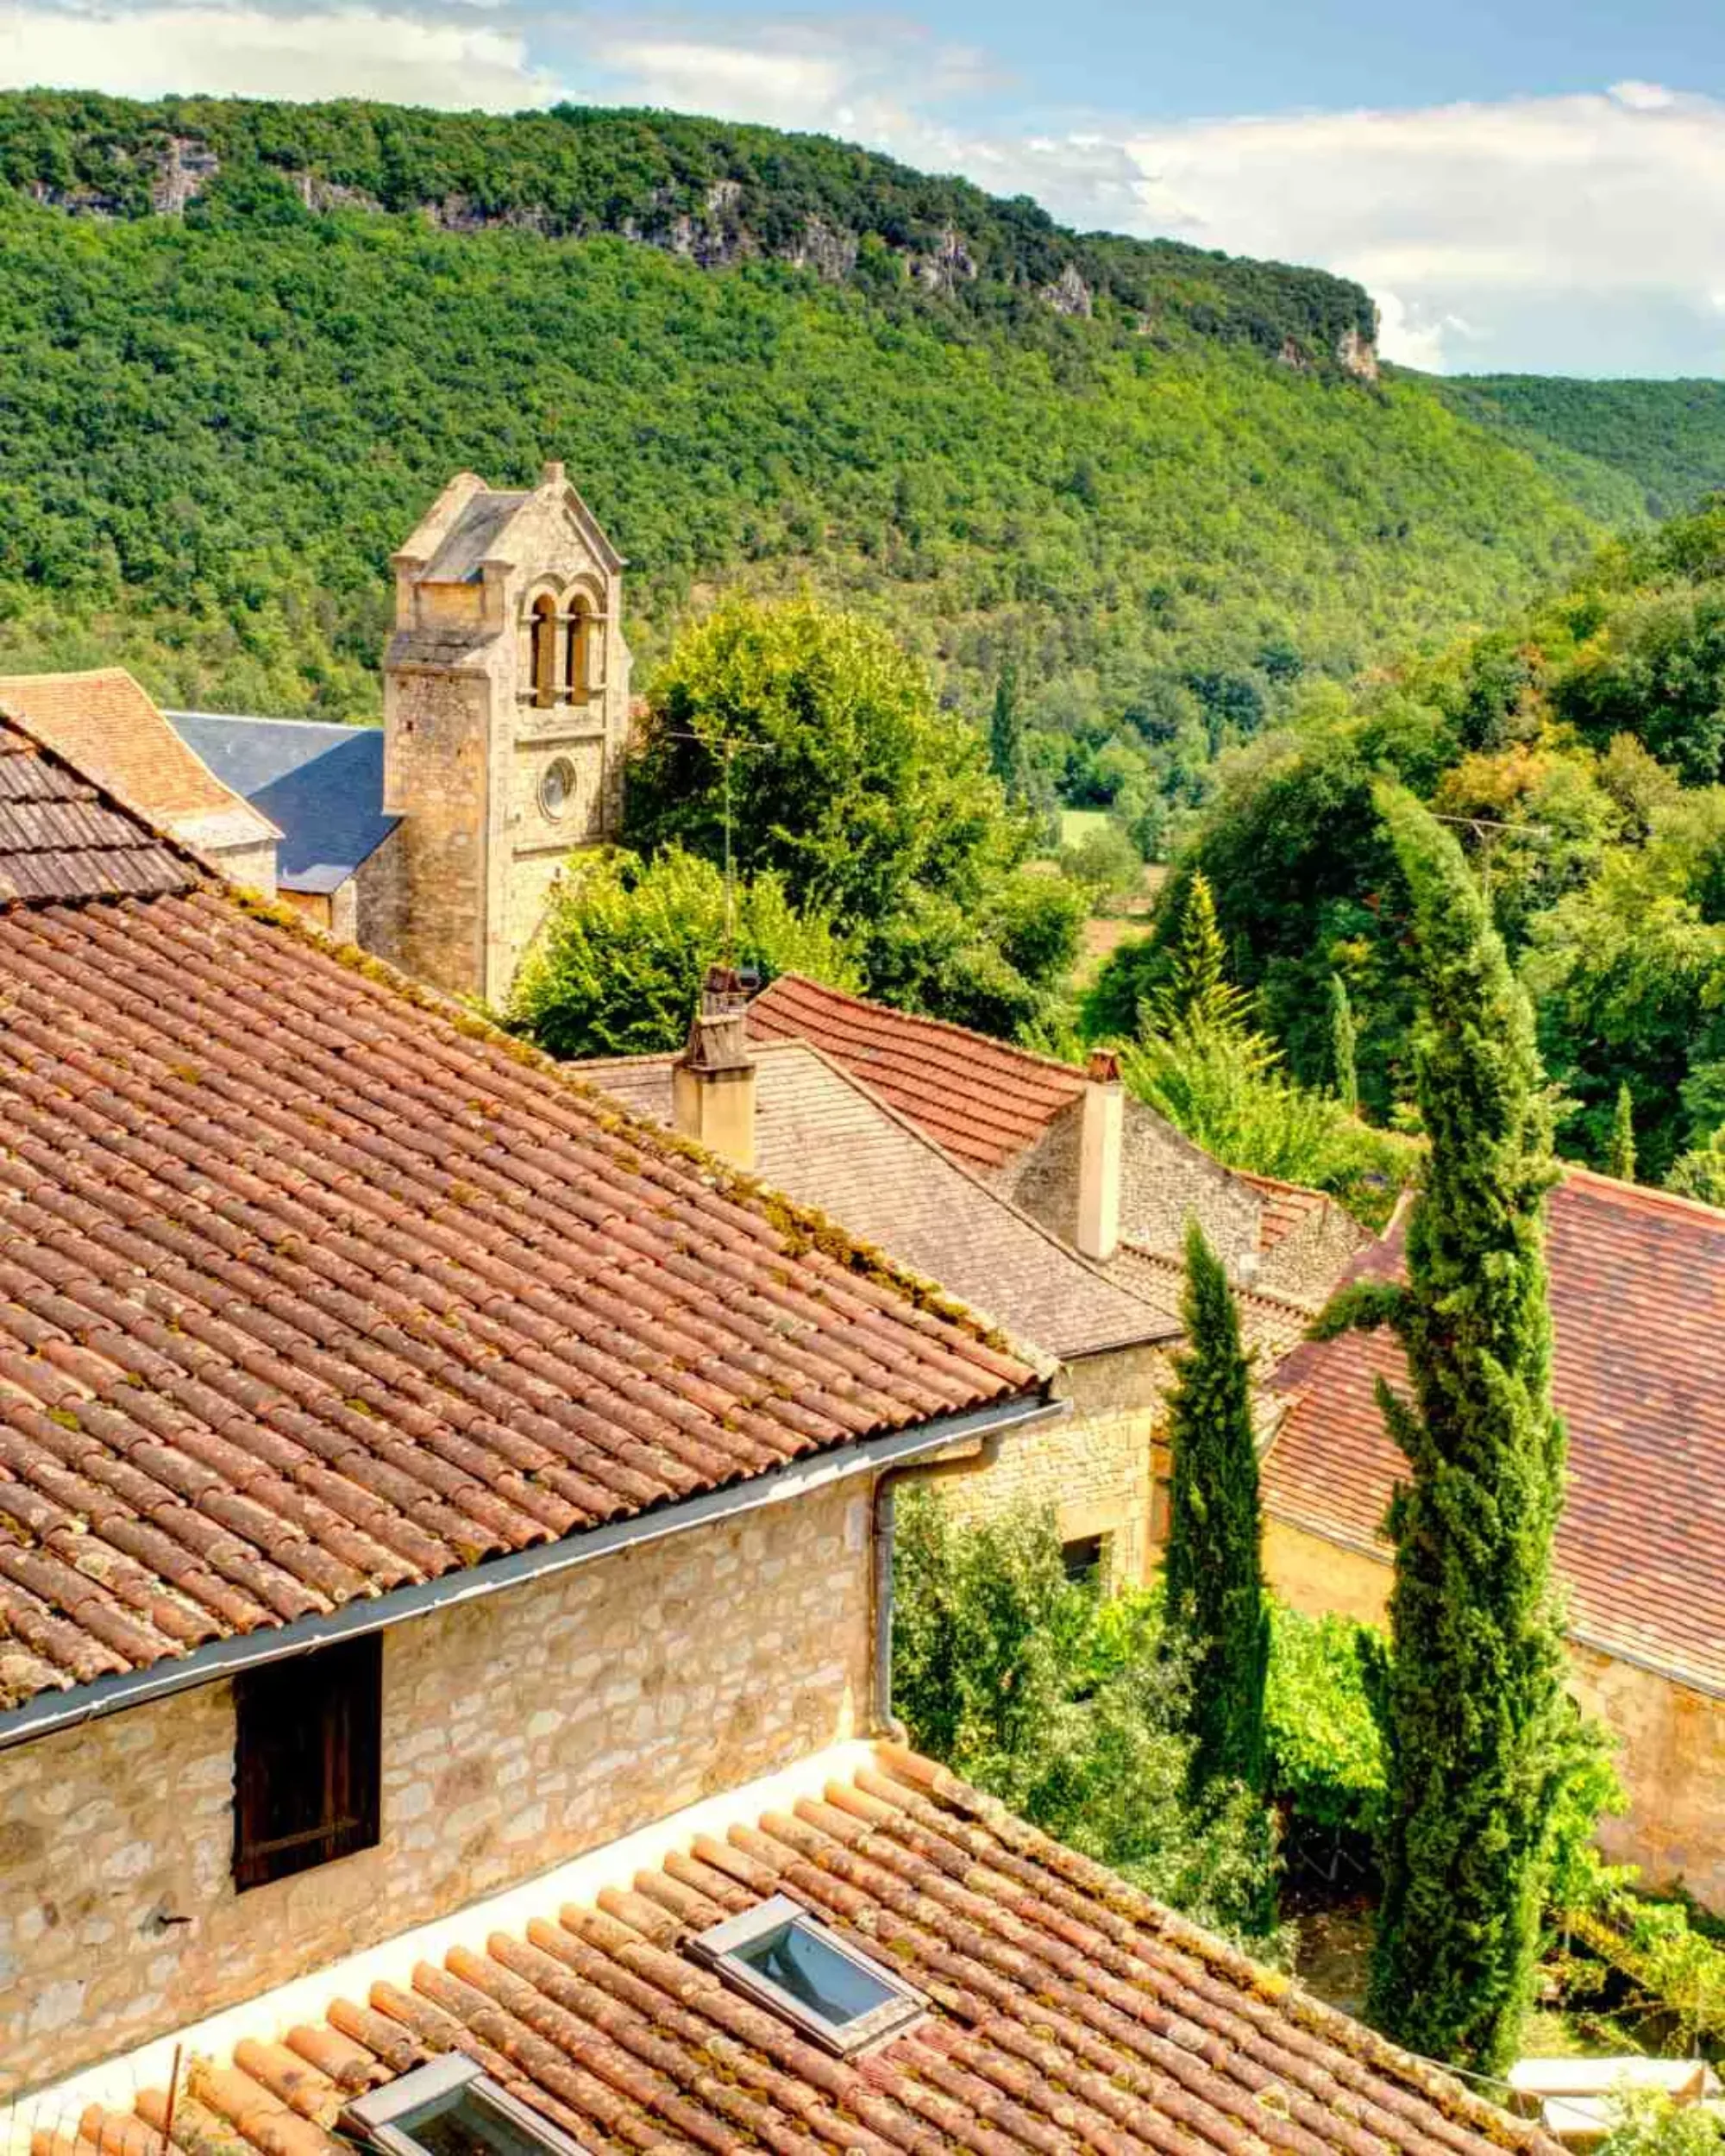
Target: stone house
412, 1472
1022, 1121
1637, 1293
444, 1597
813, 1130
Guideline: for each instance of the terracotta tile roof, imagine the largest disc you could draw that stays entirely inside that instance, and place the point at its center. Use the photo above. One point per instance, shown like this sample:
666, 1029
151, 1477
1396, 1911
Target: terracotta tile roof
826, 1138
1068, 2013
309, 1289
983, 1100
1637, 1305
1286, 1207
60, 838
106, 725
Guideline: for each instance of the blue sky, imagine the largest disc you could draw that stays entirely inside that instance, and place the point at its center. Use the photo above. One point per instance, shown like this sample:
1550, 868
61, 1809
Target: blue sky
1536, 185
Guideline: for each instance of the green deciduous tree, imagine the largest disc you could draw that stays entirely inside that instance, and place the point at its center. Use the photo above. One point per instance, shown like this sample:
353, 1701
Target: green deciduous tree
875, 806
1475, 1713
1213, 1569
1073, 1710
617, 968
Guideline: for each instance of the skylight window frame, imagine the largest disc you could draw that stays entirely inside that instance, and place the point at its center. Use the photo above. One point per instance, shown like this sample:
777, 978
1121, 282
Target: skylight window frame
371, 2119
717, 1949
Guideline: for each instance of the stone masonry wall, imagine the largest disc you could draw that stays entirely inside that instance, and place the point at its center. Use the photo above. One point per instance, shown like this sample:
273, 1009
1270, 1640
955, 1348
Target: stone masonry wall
253, 868
1306, 1263
1101, 1467
1670, 1757
518, 1732
1164, 1179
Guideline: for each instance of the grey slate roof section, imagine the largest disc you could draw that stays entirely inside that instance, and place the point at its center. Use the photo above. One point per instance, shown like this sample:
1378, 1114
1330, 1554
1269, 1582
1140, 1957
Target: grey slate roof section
321, 785
471, 538
826, 1140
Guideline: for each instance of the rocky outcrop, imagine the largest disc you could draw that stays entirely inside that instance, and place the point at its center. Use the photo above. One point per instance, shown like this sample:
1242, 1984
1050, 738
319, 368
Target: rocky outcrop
1357, 354
185, 172
1069, 294
948, 264
828, 250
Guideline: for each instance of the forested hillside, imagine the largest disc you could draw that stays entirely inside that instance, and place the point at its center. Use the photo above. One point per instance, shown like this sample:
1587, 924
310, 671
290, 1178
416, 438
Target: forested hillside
1579, 752
245, 344
1667, 438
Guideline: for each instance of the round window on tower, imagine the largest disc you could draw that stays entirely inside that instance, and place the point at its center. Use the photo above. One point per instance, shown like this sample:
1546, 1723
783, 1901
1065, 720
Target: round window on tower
557, 788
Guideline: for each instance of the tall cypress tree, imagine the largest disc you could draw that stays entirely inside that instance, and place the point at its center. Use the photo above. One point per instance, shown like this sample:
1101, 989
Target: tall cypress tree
1007, 733
1344, 1069
1621, 1161
1213, 1569
1476, 1692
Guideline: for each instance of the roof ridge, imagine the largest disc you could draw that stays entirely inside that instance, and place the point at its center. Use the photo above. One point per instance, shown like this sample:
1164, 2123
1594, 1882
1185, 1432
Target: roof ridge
1006, 1204
918, 1018
1625, 1190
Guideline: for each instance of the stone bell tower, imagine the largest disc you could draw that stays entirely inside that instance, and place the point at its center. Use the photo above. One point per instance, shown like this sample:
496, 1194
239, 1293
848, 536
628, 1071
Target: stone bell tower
506, 722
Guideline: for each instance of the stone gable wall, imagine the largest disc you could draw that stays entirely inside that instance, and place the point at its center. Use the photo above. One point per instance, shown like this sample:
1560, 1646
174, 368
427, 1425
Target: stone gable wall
518, 1732
1164, 1179
1103, 1468
1306, 1263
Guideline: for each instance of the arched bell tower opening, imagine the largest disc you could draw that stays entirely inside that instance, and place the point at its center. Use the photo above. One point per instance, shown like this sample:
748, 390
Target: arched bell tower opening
505, 721
542, 647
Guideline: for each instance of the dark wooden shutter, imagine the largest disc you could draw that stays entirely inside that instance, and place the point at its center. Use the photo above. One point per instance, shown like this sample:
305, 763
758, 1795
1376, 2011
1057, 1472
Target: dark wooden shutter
307, 1760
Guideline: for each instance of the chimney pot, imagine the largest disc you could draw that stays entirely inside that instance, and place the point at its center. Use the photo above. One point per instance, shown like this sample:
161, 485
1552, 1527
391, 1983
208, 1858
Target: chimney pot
1104, 1066
712, 1081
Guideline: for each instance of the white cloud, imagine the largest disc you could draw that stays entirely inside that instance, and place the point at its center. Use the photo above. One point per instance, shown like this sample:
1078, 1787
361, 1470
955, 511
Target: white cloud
1481, 212
248, 52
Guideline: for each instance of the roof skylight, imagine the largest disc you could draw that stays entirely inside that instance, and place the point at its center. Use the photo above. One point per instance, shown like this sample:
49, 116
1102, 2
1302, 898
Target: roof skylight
788, 1960
451, 2108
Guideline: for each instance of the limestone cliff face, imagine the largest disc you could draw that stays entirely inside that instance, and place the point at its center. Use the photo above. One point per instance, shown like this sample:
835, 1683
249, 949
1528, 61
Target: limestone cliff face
709, 194
1357, 354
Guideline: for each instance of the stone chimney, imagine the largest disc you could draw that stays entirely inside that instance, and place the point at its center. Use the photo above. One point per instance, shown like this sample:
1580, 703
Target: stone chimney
1101, 1146
712, 1081
554, 475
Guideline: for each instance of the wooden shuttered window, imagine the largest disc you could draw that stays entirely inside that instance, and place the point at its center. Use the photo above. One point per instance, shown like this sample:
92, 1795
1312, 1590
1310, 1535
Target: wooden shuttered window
307, 1763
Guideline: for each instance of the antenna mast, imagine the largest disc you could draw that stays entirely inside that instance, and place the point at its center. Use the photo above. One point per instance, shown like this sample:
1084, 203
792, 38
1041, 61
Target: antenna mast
727, 745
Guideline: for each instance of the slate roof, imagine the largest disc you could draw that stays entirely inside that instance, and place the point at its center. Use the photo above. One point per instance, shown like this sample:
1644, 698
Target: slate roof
1270, 1323
108, 726
1638, 1306
321, 785
310, 1289
1068, 2013
983, 1100
827, 1140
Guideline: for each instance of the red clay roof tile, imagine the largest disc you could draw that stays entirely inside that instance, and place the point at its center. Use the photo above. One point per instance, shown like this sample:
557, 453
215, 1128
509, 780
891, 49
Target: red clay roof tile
1638, 1309
301, 1326
983, 1100
1067, 2013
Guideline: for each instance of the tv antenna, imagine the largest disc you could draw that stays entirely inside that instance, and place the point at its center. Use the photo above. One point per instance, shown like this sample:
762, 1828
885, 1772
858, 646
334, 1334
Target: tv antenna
727, 746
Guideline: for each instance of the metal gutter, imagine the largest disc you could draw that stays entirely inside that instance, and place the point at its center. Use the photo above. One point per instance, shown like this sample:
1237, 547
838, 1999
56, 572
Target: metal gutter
48, 1713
